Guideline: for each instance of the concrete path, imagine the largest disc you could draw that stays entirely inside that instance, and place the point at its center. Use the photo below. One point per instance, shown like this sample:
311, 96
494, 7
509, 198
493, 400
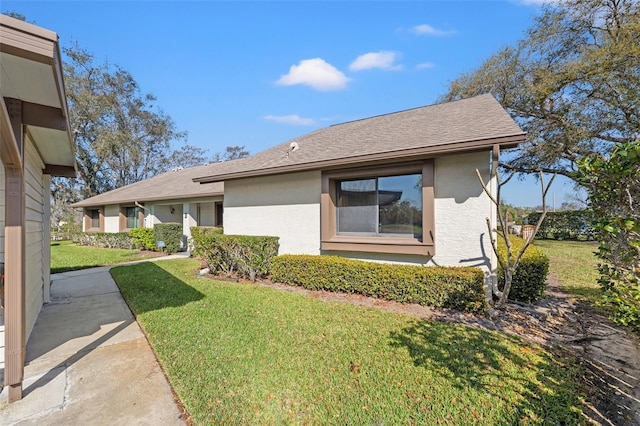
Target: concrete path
89, 363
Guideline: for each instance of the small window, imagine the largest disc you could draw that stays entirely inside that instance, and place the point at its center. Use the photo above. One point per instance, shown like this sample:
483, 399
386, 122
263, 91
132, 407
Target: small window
381, 206
94, 214
132, 217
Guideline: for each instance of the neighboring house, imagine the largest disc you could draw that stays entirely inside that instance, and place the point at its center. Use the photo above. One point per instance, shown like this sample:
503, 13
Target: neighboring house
36, 144
400, 187
170, 197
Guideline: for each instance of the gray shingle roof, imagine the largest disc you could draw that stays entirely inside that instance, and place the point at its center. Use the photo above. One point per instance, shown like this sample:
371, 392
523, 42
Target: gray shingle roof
464, 125
174, 185
468, 124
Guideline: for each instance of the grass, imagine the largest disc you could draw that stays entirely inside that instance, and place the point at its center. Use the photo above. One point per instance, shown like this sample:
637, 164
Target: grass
575, 265
66, 256
249, 354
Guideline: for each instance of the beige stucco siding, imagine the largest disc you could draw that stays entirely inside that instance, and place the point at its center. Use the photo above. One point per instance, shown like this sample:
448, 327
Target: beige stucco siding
461, 209
287, 206
206, 214
112, 218
36, 195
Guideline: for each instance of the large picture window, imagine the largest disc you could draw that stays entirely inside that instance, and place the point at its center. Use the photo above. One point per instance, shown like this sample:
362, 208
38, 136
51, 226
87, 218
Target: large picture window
380, 206
382, 209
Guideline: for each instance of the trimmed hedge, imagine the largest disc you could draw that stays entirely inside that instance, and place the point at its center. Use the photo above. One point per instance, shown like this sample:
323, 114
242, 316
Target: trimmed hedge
119, 240
143, 238
459, 288
170, 234
197, 233
248, 256
530, 279
565, 225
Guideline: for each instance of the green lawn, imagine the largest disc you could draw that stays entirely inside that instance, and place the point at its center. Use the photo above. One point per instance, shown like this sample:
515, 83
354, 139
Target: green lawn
249, 354
575, 265
66, 256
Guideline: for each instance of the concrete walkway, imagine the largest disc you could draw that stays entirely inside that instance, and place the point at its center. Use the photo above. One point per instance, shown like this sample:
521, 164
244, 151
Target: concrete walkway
89, 363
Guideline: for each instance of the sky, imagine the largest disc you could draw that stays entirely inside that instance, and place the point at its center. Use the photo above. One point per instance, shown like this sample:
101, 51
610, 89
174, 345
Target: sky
256, 74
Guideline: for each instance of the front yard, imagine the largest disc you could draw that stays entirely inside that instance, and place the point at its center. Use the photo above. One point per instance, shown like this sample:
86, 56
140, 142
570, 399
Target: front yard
249, 354
66, 256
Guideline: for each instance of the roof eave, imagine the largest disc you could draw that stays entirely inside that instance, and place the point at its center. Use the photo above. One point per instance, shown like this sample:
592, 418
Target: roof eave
98, 203
509, 141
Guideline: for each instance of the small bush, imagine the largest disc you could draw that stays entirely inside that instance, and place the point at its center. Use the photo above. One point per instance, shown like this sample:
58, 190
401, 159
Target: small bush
530, 279
170, 234
143, 238
198, 238
119, 240
249, 256
448, 287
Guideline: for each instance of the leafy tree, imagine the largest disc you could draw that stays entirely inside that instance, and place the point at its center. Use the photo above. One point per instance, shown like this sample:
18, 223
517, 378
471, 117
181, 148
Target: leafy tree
120, 136
573, 83
613, 183
231, 153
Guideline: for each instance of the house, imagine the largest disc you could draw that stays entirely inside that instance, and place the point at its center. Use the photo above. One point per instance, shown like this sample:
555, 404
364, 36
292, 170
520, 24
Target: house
399, 187
169, 197
36, 144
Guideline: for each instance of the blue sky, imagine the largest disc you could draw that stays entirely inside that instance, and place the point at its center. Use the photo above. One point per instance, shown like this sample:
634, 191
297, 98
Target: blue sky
260, 73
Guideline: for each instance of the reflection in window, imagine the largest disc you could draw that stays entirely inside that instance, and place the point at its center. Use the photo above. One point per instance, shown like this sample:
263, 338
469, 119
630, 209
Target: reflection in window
382, 206
132, 217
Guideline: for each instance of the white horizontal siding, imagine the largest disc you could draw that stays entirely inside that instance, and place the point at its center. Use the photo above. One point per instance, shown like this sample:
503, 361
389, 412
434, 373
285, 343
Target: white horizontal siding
34, 234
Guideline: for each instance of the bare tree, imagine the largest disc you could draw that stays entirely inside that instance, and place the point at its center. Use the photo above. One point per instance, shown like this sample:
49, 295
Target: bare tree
512, 261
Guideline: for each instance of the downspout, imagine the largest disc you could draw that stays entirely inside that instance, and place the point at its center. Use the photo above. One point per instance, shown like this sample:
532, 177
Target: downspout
493, 267
137, 204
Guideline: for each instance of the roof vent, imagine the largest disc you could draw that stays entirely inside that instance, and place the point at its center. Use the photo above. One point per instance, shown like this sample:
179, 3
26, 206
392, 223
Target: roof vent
293, 146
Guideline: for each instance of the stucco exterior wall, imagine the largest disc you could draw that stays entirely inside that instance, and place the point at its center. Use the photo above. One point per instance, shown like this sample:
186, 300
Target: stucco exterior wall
207, 214
287, 206
163, 213
112, 218
35, 195
461, 209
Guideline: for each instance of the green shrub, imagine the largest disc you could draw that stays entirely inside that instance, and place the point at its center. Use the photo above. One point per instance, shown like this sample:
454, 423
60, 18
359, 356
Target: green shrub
143, 238
448, 287
249, 256
170, 234
198, 237
119, 240
530, 279
565, 225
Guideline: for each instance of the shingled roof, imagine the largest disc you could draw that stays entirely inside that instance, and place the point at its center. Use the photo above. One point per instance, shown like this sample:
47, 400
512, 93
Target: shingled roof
173, 185
465, 125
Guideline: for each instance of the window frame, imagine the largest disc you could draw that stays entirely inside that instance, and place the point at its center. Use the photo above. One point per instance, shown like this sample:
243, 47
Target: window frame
330, 240
88, 219
123, 217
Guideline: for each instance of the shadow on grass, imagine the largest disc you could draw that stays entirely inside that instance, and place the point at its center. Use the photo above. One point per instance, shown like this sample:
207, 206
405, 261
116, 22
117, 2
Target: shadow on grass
148, 287
534, 386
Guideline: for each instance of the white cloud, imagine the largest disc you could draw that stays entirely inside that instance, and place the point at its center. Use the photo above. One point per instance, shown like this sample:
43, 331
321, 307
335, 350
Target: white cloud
293, 119
316, 73
425, 65
426, 29
383, 60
